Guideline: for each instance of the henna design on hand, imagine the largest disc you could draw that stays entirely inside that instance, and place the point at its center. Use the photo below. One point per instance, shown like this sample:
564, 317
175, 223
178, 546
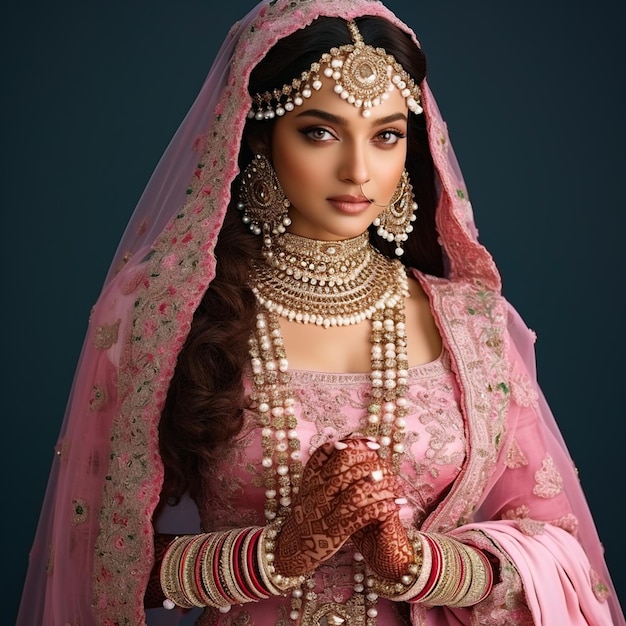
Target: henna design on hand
386, 547
337, 498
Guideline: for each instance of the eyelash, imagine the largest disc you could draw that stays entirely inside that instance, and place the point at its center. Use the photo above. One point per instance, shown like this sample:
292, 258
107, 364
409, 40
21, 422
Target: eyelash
307, 132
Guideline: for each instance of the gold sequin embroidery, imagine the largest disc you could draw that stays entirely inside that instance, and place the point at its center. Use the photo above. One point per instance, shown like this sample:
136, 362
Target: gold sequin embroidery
106, 335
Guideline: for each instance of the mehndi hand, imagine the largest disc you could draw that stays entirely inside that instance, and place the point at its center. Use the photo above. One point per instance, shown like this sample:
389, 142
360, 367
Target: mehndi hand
386, 547
338, 497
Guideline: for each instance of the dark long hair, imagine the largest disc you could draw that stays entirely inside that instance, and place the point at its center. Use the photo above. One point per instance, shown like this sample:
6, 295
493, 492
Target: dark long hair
205, 403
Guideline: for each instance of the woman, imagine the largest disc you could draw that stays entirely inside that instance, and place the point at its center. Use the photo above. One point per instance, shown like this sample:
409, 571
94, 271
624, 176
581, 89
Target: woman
301, 332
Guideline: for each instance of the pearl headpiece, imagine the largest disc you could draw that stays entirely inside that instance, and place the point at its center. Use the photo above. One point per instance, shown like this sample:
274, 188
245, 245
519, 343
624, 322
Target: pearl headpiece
363, 76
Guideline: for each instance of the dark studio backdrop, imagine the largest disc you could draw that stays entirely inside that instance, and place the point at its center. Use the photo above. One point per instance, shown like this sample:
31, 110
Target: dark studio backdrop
92, 93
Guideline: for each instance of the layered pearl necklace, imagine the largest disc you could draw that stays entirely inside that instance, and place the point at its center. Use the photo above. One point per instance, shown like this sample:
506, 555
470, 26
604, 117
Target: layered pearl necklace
328, 284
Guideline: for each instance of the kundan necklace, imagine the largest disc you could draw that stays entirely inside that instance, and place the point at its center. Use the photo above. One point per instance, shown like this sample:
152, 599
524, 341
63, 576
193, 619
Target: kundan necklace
328, 284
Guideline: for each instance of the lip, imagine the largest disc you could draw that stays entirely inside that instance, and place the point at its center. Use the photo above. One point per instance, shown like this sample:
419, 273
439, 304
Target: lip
350, 204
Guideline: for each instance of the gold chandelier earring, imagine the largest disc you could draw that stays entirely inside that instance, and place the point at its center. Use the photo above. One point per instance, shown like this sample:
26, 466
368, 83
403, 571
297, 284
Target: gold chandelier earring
262, 201
395, 223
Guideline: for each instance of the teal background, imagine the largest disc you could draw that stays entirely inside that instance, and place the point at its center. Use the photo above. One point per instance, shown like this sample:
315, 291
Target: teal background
92, 92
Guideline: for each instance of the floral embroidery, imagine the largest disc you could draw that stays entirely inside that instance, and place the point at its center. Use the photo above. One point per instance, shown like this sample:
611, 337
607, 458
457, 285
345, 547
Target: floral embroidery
515, 458
568, 523
530, 526
98, 398
523, 390
506, 604
549, 481
81, 511
106, 336
526, 524
600, 589
472, 319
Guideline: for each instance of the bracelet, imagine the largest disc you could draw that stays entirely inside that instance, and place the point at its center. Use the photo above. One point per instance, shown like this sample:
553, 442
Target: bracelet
481, 580
220, 569
452, 574
450, 578
169, 575
429, 576
276, 583
406, 587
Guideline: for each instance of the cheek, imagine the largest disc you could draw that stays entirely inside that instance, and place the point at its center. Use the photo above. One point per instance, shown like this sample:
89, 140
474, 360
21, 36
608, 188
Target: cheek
390, 169
298, 169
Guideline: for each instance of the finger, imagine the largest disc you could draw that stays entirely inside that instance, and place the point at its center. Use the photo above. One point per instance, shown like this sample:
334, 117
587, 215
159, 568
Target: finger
350, 518
337, 468
340, 461
317, 460
369, 475
359, 495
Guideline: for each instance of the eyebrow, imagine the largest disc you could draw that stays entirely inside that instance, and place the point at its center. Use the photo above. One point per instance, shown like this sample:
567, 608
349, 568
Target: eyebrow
337, 119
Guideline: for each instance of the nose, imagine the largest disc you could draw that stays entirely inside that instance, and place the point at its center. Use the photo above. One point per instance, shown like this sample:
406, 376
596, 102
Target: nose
354, 167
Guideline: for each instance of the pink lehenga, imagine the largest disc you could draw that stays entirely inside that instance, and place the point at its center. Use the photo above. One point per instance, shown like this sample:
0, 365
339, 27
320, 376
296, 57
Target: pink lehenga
507, 483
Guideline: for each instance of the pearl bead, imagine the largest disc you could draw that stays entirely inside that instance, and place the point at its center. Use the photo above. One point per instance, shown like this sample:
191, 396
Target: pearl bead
168, 604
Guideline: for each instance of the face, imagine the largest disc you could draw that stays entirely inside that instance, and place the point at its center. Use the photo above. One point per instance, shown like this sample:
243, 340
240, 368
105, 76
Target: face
330, 160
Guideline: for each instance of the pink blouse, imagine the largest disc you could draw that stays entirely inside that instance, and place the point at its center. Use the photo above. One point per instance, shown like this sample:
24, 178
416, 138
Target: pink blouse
329, 407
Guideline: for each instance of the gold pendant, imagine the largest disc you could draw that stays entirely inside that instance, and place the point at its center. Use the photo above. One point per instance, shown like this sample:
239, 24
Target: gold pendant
352, 613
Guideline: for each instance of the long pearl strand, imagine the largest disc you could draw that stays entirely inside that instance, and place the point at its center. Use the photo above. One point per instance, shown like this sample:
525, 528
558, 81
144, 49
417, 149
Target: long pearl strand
274, 401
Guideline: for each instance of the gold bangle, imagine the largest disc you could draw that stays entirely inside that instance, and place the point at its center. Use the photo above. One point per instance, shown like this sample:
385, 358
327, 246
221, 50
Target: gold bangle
169, 573
226, 568
446, 587
245, 548
465, 574
405, 588
211, 585
426, 560
480, 584
188, 580
275, 582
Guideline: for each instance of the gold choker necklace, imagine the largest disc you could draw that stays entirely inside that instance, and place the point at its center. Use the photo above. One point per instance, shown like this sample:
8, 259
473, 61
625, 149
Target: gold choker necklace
328, 283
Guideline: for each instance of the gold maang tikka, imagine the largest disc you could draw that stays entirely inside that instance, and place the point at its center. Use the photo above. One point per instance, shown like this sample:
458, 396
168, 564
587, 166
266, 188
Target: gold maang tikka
363, 76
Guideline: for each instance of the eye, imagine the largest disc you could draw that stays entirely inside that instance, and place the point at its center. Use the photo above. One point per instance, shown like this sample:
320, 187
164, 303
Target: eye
390, 137
317, 133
